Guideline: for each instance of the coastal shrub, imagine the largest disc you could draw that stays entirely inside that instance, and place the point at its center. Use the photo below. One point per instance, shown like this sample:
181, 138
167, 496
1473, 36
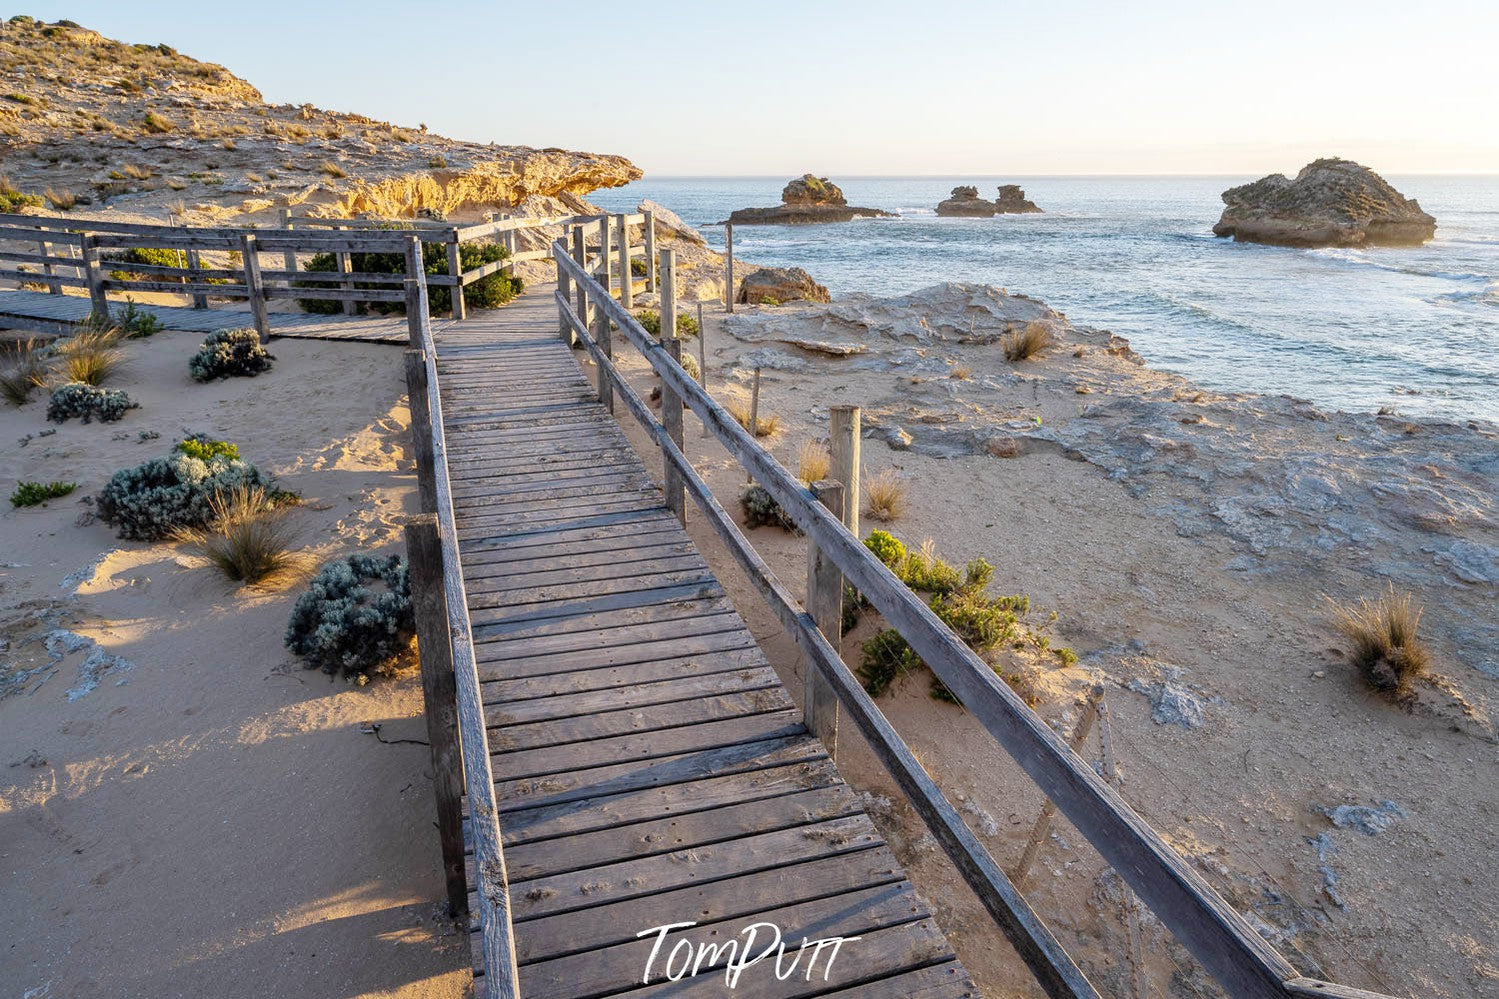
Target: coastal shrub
355, 616
650, 321
205, 448
813, 462
690, 365
32, 493
884, 494
885, 658
92, 354
22, 372
1387, 648
164, 495
227, 353
135, 323
761, 509
87, 403
487, 293
248, 536
149, 256
638, 267
12, 200
1027, 343
886, 547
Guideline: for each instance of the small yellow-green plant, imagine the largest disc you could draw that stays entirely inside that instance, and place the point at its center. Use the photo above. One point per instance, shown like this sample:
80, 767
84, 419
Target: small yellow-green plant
650, 321
33, 493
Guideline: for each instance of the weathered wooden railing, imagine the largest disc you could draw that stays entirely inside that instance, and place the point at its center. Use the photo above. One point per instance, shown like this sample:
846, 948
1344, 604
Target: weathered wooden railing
74, 253
1226, 945
450, 676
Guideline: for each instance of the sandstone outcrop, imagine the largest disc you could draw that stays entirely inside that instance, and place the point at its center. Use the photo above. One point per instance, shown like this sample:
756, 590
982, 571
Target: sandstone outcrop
778, 285
1332, 202
966, 203
806, 200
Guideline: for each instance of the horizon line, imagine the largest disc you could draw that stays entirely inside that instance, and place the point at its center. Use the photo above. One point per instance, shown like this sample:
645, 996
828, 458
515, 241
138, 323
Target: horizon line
1024, 176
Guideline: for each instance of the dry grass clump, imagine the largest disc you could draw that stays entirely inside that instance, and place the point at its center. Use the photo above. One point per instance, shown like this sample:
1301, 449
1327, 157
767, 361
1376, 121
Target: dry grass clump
1386, 647
63, 201
1027, 343
229, 144
332, 169
157, 124
961, 372
22, 372
135, 172
91, 356
766, 426
884, 494
399, 135
248, 539
298, 132
813, 462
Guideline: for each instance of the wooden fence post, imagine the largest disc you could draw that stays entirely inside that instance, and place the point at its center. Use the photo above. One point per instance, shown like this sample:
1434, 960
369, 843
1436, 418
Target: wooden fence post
580, 255
93, 275
650, 252
825, 604
455, 271
844, 449
440, 695
421, 429
604, 254
195, 261
250, 253
416, 302
565, 289
671, 403
289, 258
351, 307
626, 272
728, 259
54, 287
1042, 828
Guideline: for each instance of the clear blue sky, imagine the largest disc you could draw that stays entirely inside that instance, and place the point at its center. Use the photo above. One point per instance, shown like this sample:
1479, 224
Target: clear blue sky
877, 87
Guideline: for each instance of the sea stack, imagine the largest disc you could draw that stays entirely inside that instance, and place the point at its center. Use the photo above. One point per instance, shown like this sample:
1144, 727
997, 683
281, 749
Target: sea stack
966, 203
1332, 202
805, 201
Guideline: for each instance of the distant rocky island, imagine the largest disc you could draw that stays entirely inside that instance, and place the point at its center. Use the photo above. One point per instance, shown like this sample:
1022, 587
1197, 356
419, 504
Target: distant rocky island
808, 200
965, 202
1332, 202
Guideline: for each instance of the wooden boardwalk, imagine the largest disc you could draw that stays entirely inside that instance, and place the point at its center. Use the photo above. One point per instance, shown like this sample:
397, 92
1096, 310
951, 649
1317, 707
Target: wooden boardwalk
649, 766
54, 313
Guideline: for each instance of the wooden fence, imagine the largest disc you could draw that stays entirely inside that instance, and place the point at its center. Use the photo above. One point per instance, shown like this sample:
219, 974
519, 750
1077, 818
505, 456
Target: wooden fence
1226, 945
66, 253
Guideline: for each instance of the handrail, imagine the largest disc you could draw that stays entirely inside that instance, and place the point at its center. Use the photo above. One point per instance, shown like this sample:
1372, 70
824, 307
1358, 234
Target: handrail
492, 887
1242, 961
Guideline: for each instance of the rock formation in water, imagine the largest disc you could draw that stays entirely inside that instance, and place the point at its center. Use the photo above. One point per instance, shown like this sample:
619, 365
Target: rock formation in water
1012, 201
966, 203
778, 285
804, 201
1332, 202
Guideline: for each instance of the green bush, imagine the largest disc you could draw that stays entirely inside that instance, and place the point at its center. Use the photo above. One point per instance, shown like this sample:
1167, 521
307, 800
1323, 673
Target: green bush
205, 448
134, 323
32, 493
229, 353
355, 615
487, 293
150, 256
164, 495
12, 200
886, 657
87, 402
886, 547
650, 321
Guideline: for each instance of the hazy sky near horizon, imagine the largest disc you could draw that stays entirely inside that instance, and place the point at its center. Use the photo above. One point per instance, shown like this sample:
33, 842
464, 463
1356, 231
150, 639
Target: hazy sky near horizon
880, 87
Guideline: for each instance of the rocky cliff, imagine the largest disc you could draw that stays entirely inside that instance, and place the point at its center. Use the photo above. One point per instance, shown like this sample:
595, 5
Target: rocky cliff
93, 125
1332, 202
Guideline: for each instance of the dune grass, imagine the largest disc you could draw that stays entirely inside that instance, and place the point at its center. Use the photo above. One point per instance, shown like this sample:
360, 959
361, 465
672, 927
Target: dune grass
884, 494
249, 538
1027, 343
91, 355
813, 462
766, 426
1387, 647
22, 372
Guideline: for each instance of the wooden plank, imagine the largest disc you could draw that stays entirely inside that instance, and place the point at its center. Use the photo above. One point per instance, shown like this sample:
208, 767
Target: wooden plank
508, 660
643, 693
518, 690
630, 623
609, 568
946, 980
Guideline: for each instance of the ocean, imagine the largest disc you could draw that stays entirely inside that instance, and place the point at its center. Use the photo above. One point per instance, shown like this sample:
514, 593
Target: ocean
1416, 329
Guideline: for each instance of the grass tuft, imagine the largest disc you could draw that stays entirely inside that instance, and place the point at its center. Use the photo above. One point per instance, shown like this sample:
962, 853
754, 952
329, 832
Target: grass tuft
1386, 646
91, 355
249, 537
1027, 343
767, 426
884, 494
813, 462
23, 372
63, 201
332, 169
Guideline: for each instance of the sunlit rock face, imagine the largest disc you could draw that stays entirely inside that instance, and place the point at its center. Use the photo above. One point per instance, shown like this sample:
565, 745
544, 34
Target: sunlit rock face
1331, 202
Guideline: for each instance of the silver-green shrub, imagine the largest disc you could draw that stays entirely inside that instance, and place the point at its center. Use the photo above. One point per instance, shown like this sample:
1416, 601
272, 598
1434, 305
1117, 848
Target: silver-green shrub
88, 402
355, 616
229, 352
152, 500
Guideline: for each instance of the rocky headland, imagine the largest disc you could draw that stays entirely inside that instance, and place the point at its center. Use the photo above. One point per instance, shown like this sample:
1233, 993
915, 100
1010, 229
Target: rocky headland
1331, 202
807, 200
966, 203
